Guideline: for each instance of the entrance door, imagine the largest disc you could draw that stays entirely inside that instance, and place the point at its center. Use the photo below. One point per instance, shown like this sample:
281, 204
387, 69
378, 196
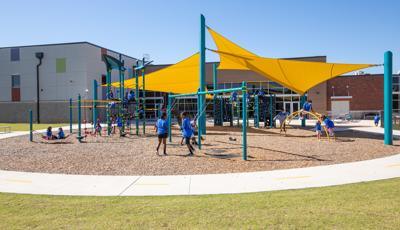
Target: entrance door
291, 106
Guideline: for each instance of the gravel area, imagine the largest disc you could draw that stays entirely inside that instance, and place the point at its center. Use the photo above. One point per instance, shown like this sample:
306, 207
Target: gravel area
136, 155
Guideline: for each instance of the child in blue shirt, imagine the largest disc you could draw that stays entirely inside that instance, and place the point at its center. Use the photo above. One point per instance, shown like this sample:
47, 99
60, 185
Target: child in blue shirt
187, 132
49, 134
376, 120
307, 108
61, 134
234, 96
162, 132
318, 129
329, 125
131, 96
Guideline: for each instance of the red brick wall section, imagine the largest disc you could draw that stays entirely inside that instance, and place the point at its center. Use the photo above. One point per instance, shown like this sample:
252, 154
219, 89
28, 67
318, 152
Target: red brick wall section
366, 90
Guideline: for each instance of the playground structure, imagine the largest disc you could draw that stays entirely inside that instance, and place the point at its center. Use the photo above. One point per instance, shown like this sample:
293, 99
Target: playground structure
298, 76
298, 113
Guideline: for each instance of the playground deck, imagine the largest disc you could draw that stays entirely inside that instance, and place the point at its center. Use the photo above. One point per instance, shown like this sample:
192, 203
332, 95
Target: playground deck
135, 155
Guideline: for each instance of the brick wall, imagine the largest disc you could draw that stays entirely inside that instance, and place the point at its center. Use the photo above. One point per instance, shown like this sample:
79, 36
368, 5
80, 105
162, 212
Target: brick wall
366, 91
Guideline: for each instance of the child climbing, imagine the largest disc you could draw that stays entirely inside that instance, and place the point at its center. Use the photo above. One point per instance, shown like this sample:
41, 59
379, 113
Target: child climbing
307, 108
187, 132
162, 132
329, 125
131, 96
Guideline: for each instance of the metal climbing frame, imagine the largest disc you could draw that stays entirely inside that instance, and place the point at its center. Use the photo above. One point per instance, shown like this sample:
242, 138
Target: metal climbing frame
199, 94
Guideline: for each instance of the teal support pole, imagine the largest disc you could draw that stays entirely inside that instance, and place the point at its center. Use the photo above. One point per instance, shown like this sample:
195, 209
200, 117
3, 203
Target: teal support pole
137, 101
302, 102
256, 112
202, 118
215, 88
200, 124
70, 115
122, 90
108, 112
144, 100
271, 117
159, 110
79, 119
221, 104
244, 123
387, 105
94, 103
30, 126
169, 108
238, 113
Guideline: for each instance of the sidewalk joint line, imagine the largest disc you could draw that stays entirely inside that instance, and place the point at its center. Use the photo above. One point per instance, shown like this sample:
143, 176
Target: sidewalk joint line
129, 186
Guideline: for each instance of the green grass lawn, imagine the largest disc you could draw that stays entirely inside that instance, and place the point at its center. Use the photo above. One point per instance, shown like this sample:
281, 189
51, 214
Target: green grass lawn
372, 205
25, 126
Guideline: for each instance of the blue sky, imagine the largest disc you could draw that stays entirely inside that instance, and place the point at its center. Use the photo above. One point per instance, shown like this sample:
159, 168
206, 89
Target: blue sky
350, 31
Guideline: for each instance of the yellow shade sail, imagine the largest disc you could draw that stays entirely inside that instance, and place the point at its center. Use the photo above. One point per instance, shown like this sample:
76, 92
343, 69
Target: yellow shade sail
299, 76
183, 77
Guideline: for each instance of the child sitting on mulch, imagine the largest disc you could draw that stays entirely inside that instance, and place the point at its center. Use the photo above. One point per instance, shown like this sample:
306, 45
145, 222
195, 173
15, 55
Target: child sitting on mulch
61, 134
49, 134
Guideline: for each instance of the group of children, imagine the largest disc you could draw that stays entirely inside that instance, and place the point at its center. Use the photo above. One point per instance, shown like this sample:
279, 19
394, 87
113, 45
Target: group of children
50, 136
307, 108
188, 129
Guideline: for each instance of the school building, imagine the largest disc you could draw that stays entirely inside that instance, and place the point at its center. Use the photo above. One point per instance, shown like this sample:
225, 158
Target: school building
43, 78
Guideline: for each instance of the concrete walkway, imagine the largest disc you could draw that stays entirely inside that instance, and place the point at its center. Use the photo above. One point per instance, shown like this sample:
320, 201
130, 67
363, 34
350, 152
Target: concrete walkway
61, 184
87, 185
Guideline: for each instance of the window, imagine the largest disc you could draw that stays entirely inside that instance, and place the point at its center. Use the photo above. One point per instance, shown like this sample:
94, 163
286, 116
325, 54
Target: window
15, 88
15, 81
14, 54
61, 66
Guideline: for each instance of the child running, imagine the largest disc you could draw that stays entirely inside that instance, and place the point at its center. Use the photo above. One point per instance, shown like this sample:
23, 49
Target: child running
162, 132
187, 132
